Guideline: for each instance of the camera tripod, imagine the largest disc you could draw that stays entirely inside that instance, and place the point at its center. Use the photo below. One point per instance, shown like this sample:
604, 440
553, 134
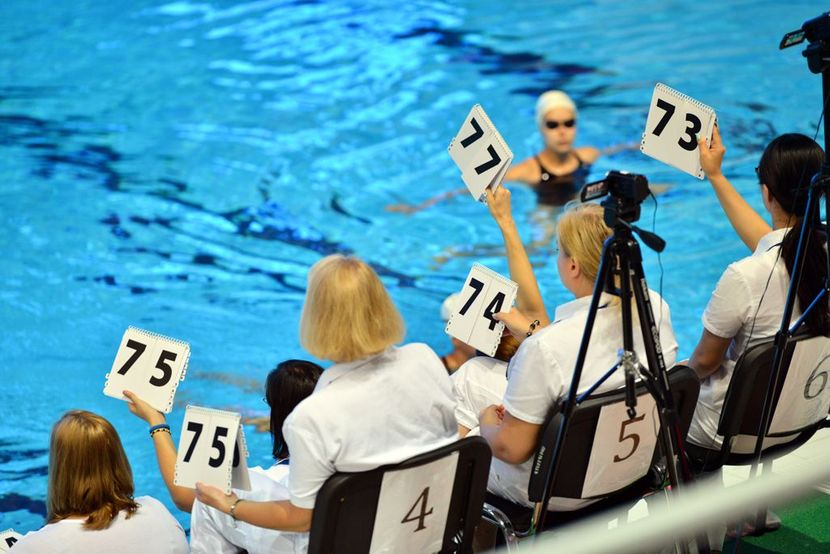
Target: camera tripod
621, 254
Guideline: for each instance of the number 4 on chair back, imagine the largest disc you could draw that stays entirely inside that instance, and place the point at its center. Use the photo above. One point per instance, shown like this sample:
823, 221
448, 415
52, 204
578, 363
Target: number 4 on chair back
212, 450
149, 365
413, 506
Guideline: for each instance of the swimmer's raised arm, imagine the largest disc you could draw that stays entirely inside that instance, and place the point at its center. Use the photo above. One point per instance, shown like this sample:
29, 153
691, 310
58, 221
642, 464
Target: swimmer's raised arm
749, 225
529, 299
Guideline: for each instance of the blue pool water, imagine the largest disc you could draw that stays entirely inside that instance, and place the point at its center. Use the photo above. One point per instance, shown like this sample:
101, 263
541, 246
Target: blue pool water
179, 166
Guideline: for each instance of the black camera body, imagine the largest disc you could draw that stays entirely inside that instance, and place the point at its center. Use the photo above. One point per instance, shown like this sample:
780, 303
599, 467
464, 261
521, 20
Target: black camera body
626, 191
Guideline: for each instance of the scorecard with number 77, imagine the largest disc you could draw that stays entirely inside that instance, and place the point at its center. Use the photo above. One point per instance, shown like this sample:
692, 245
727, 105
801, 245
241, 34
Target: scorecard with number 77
480, 153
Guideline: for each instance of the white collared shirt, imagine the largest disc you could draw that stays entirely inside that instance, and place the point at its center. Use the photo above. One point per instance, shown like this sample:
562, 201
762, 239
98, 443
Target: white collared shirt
730, 314
150, 529
364, 414
214, 532
539, 375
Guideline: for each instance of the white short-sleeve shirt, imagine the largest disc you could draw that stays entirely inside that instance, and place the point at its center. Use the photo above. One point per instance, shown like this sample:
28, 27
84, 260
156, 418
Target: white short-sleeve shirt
540, 373
214, 532
730, 314
478, 383
150, 529
380, 410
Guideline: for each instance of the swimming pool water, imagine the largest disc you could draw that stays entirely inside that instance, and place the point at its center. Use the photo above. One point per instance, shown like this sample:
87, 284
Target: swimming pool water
179, 166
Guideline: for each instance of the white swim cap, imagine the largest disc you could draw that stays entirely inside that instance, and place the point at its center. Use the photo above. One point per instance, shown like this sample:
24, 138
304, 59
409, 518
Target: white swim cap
550, 100
450, 305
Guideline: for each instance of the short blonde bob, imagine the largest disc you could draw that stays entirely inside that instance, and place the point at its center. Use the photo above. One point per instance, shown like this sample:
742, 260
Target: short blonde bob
348, 314
582, 232
89, 474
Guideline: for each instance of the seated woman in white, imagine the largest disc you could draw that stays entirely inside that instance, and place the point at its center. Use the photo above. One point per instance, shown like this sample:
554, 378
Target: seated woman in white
748, 302
540, 372
211, 531
482, 380
90, 505
378, 404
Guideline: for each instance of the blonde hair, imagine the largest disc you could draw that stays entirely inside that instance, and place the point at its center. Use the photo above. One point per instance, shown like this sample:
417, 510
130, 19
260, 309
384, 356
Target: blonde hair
89, 474
347, 314
582, 232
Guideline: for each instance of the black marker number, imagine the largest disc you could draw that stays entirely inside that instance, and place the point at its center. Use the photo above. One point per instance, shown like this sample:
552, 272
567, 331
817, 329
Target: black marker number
139, 350
691, 131
669, 109
478, 286
422, 500
494, 307
196, 429
218, 445
167, 371
477, 134
494, 160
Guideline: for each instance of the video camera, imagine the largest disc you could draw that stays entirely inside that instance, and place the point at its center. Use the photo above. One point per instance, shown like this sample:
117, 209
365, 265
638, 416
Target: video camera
627, 191
817, 32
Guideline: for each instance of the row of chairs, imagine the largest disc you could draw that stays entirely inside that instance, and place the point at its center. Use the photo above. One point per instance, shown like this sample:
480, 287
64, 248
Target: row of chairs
347, 516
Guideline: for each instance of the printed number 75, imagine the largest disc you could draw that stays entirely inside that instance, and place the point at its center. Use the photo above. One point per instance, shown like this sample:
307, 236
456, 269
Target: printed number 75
164, 357
691, 131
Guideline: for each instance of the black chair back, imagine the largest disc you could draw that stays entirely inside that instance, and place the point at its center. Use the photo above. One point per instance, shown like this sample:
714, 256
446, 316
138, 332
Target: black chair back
601, 429
346, 508
800, 402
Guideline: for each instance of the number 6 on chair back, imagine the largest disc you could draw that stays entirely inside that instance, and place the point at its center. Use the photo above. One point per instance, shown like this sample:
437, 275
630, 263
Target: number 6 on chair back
429, 503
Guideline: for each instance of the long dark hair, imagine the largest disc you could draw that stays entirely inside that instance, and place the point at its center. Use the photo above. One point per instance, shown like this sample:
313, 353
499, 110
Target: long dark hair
287, 385
786, 168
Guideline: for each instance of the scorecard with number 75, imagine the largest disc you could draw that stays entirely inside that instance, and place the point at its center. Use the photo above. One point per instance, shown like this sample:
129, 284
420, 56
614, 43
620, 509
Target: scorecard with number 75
150, 365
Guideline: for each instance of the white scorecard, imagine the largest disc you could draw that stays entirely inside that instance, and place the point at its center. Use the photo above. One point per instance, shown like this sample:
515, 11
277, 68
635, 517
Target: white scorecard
8, 538
212, 450
623, 447
149, 365
673, 124
480, 153
485, 293
412, 507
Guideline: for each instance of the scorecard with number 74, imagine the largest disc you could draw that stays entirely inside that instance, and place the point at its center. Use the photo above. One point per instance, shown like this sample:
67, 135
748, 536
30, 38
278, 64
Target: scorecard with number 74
485, 293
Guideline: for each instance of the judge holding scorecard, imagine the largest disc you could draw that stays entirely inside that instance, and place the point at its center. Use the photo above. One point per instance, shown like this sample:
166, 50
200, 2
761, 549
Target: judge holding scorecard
556, 173
378, 404
540, 372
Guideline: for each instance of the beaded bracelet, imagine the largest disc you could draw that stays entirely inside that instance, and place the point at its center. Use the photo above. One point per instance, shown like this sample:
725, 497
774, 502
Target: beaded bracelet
532, 327
161, 430
160, 427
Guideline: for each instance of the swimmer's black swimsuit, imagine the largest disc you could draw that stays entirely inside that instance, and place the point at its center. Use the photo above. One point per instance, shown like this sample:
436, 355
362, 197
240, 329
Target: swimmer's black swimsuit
558, 190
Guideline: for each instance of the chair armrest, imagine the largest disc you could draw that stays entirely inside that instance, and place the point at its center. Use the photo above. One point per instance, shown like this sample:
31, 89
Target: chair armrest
496, 517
